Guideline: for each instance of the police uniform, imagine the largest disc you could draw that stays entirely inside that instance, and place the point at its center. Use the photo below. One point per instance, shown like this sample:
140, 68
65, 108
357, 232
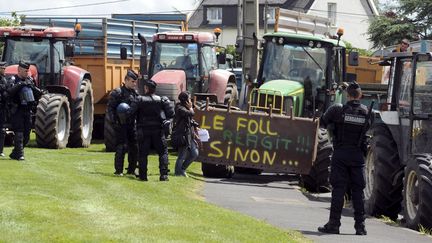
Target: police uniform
151, 110
3, 107
125, 130
347, 167
22, 93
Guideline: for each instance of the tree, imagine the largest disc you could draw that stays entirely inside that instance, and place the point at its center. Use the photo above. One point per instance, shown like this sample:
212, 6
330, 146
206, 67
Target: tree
14, 21
409, 19
362, 52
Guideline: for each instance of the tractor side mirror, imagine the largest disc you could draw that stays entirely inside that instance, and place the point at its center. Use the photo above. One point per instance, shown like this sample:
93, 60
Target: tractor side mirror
123, 53
222, 58
69, 50
353, 58
239, 46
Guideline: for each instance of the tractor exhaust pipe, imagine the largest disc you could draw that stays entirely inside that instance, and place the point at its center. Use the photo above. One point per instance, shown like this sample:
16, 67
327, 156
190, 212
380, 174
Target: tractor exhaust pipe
143, 64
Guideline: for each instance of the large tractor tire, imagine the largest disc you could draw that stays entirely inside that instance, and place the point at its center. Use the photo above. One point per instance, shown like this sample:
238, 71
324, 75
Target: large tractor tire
318, 178
52, 124
217, 171
417, 192
109, 135
231, 94
383, 194
247, 171
82, 117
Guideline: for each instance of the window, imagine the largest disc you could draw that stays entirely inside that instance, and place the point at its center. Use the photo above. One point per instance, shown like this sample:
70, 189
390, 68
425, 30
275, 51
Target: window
423, 88
331, 8
208, 59
405, 88
271, 15
214, 15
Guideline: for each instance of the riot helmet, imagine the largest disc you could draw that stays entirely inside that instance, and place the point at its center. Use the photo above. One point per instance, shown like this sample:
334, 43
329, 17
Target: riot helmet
123, 112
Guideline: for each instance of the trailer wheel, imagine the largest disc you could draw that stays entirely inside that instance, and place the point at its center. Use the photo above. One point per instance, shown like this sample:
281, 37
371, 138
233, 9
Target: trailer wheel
231, 94
217, 171
383, 195
52, 125
417, 193
109, 135
82, 117
318, 178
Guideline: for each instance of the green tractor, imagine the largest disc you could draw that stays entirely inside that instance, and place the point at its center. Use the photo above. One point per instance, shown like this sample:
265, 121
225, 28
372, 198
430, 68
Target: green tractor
299, 75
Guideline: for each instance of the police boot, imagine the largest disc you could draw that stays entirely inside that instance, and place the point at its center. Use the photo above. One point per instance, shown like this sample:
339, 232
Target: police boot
329, 228
18, 151
2, 138
163, 178
360, 228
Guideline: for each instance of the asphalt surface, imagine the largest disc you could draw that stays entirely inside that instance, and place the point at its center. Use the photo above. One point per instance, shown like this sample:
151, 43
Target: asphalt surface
278, 200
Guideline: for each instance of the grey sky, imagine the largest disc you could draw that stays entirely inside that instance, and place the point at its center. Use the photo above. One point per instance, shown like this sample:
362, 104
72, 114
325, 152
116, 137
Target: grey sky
103, 7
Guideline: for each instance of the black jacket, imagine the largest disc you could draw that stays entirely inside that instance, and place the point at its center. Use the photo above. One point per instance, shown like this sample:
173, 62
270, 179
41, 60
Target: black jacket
15, 84
3, 89
346, 123
151, 111
117, 96
183, 121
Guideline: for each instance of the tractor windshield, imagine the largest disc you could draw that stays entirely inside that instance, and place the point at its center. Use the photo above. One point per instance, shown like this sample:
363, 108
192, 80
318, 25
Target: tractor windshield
183, 56
35, 51
294, 62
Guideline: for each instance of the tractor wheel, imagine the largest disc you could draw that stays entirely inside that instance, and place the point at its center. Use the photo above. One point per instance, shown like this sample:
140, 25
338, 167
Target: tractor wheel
247, 171
52, 123
231, 94
318, 178
109, 135
417, 193
217, 171
82, 117
383, 195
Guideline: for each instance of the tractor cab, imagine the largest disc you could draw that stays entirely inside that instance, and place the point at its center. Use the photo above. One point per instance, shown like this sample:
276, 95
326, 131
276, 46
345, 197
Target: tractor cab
302, 67
410, 100
187, 58
299, 71
44, 48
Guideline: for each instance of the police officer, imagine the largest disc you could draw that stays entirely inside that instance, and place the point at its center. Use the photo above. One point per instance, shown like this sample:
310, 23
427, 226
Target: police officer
124, 126
151, 111
350, 122
3, 111
22, 92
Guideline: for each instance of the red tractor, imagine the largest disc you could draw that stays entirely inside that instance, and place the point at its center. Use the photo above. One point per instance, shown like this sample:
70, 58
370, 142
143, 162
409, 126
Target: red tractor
182, 61
188, 61
64, 116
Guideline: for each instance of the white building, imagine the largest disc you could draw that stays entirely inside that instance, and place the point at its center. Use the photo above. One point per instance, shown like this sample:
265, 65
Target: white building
352, 15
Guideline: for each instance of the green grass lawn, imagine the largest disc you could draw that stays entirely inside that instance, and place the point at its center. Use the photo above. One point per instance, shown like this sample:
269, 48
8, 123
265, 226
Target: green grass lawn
71, 195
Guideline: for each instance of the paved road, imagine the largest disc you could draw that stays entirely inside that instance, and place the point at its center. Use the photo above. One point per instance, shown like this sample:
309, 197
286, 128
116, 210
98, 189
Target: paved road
278, 200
